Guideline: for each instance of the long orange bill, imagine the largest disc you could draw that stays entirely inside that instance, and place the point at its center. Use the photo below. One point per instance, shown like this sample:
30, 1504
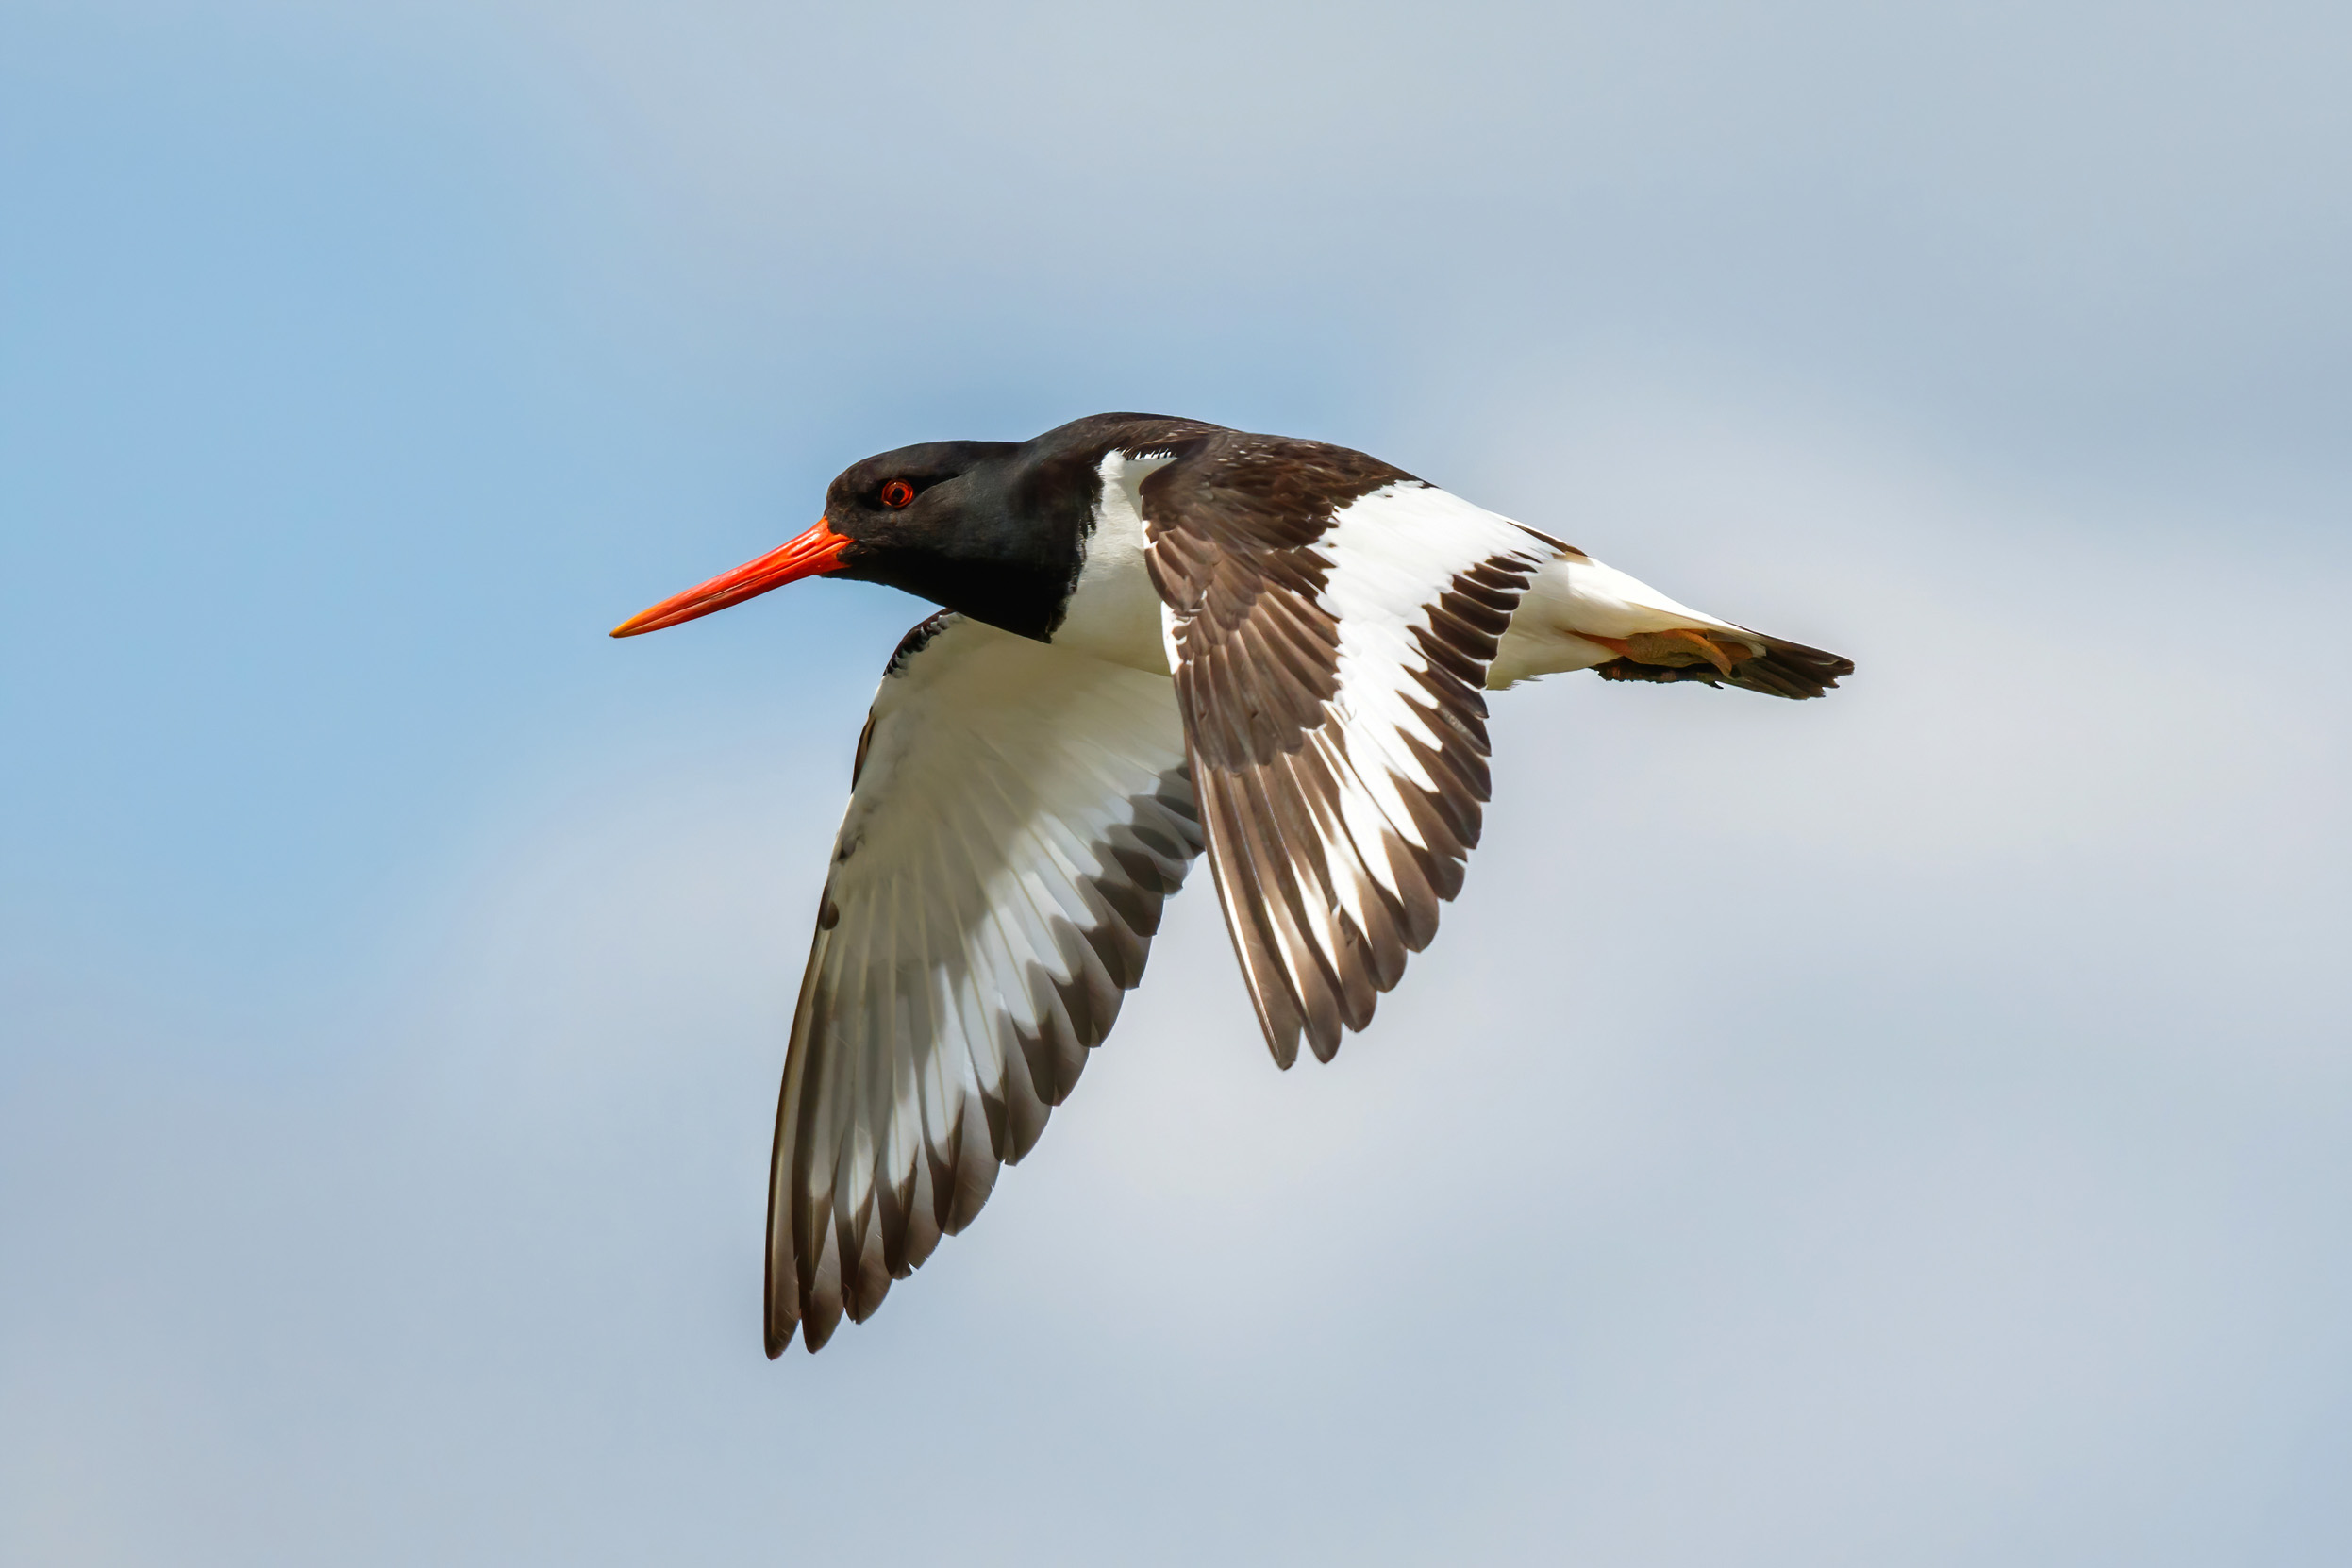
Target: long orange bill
812, 554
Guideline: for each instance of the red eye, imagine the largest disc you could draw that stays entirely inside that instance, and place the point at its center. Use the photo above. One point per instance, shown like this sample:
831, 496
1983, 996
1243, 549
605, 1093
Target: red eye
897, 493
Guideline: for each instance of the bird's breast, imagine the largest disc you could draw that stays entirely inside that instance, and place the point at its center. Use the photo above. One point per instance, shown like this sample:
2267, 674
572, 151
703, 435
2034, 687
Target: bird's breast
1113, 612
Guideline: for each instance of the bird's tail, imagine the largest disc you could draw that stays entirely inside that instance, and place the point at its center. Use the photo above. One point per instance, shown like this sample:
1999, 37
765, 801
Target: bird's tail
1581, 614
1784, 669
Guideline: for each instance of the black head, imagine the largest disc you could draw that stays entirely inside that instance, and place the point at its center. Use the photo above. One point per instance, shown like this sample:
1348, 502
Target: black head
960, 523
994, 530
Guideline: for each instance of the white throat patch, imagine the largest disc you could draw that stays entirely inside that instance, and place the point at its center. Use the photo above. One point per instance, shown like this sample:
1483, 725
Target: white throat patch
1114, 611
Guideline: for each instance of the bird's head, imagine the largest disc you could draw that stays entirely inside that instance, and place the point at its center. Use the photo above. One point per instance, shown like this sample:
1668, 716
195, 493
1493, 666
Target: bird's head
957, 523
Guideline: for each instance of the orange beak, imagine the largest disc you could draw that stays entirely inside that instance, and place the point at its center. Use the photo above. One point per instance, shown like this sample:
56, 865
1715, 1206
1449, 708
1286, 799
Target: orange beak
813, 554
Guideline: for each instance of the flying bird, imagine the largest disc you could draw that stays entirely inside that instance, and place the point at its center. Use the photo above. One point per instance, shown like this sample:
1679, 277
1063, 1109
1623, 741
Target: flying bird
1156, 636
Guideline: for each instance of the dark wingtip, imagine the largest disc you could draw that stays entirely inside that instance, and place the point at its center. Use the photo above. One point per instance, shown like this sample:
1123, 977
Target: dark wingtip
776, 1330
1281, 1045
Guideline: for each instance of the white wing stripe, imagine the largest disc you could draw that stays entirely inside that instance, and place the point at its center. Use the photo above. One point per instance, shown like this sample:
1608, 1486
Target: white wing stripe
985, 903
1332, 692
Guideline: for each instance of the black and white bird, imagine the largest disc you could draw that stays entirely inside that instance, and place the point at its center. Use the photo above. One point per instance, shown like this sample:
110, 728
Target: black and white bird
1158, 635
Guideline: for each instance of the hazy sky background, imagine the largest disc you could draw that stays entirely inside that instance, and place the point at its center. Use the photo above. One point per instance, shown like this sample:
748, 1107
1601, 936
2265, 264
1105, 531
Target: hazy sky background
1914, 1128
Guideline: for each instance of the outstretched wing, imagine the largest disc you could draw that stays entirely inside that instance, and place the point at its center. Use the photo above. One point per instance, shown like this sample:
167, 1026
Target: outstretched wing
1329, 622
1017, 816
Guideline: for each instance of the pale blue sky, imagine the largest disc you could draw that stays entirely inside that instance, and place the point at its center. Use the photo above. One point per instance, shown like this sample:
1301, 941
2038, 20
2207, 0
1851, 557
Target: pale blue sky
1910, 1128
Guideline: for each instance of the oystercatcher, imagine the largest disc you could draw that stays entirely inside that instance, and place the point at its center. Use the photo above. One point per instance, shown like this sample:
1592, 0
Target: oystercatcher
1158, 635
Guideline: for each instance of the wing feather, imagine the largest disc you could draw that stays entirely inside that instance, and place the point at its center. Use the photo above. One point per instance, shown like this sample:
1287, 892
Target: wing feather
1018, 816
1331, 620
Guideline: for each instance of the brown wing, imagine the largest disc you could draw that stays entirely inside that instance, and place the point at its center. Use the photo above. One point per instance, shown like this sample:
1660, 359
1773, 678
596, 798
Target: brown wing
1330, 622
